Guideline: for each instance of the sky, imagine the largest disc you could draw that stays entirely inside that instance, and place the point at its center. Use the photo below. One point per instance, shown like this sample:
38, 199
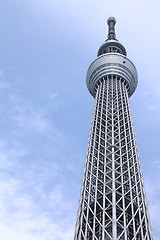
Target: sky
46, 47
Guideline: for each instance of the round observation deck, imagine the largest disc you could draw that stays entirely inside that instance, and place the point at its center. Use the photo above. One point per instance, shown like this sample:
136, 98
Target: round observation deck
112, 46
111, 64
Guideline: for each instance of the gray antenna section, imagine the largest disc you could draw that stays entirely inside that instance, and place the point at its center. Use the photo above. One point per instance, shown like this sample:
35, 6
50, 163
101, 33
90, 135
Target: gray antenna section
111, 31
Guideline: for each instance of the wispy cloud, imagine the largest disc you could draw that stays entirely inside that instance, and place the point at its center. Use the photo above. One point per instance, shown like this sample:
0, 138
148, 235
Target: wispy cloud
8, 157
33, 199
146, 93
22, 219
26, 115
53, 96
22, 214
33, 122
152, 107
153, 190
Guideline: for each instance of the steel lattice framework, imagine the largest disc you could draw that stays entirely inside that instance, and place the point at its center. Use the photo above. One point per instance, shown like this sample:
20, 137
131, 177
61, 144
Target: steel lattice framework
112, 203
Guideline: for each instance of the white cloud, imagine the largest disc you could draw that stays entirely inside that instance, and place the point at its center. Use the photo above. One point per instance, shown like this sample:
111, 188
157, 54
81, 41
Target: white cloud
156, 90
31, 207
23, 216
152, 191
146, 93
23, 219
9, 156
33, 228
152, 107
33, 121
53, 96
24, 113
4, 85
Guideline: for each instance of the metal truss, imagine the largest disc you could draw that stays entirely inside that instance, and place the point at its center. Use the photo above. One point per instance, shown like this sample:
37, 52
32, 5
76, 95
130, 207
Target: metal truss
112, 203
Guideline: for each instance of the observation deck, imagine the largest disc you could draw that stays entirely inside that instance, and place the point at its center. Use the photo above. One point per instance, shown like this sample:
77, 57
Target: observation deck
112, 60
112, 64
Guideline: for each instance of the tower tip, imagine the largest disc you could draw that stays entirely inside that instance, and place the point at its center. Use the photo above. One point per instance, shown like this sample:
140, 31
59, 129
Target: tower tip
111, 19
111, 32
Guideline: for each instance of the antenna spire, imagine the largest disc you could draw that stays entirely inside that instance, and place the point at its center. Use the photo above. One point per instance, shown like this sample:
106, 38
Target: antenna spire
111, 31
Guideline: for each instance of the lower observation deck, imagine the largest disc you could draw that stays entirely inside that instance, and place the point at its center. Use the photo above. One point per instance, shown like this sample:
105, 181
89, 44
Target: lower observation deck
112, 64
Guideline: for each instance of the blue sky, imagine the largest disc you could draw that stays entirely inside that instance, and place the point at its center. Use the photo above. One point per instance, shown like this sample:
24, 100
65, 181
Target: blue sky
46, 47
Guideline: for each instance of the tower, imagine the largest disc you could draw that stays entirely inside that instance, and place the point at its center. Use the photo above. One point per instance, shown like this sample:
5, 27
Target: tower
112, 202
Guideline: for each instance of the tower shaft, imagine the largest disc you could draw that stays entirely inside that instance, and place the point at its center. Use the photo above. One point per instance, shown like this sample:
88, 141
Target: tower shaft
112, 203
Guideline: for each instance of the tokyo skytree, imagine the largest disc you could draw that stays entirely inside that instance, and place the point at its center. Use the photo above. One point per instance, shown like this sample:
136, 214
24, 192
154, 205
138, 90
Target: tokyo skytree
112, 202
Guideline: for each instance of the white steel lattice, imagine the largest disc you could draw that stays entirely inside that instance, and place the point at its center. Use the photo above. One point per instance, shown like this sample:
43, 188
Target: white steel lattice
112, 203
